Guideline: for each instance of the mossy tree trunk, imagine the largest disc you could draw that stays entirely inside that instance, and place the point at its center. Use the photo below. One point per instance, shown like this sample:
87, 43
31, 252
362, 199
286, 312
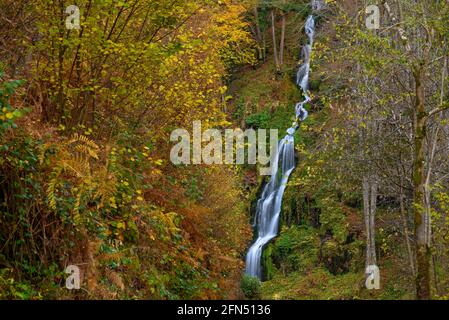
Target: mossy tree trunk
422, 246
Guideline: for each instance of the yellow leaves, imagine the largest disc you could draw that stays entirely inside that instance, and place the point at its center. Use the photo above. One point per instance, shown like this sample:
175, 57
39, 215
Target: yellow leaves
156, 172
169, 221
112, 202
223, 123
8, 115
223, 89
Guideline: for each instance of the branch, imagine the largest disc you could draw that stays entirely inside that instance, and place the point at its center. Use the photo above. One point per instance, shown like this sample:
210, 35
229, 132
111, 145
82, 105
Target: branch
401, 31
441, 108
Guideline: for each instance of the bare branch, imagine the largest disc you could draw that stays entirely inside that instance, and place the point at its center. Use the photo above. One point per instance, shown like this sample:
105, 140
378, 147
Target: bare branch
441, 108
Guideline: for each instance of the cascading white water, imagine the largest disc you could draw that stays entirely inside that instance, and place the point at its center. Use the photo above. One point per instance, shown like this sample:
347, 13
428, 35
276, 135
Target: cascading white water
302, 77
268, 208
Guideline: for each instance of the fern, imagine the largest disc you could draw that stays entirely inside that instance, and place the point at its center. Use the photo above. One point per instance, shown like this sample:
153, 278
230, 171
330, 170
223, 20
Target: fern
73, 158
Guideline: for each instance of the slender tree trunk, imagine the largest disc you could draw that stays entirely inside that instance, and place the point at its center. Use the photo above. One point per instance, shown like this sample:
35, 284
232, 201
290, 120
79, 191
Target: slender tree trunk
273, 31
264, 46
404, 216
372, 225
369, 187
281, 49
422, 247
60, 95
256, 17
427, 190
258, 33
427, 186
435, 274
366, 211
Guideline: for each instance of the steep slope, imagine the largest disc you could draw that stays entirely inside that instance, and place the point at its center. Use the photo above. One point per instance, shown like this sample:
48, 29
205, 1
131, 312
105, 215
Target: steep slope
319, 253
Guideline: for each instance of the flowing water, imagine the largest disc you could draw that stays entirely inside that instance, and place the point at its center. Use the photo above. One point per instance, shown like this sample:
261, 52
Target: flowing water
269, 205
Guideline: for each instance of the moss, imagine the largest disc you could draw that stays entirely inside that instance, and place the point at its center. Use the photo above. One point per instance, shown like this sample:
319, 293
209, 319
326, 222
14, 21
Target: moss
267, 262
318, 284
296, 249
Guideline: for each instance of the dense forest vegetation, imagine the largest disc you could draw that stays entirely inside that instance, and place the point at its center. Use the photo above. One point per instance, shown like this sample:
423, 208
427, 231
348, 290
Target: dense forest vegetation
86, 179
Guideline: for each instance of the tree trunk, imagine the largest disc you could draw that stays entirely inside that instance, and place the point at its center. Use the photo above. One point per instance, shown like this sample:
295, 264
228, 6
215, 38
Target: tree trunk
422, 247
258, 34
281, 49
273, 31
373, 207
369, 208
264, 46
404, 216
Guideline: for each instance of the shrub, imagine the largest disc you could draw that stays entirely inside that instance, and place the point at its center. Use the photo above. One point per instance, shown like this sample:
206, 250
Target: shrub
258, 120
250, 287
8, 114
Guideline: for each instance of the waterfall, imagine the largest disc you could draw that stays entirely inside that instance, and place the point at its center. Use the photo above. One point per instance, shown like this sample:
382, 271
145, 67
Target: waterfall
268, 208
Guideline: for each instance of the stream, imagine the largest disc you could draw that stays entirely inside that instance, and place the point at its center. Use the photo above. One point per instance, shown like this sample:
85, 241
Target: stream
268, 210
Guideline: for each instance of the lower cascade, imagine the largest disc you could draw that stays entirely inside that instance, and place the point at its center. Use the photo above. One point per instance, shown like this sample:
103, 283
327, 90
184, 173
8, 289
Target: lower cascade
269, 205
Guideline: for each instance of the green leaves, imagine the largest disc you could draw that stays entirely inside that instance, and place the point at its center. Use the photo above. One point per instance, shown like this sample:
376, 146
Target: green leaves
8, 114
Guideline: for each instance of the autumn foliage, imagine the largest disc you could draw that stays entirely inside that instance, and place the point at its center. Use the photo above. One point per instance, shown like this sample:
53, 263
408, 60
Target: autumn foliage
85, 171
